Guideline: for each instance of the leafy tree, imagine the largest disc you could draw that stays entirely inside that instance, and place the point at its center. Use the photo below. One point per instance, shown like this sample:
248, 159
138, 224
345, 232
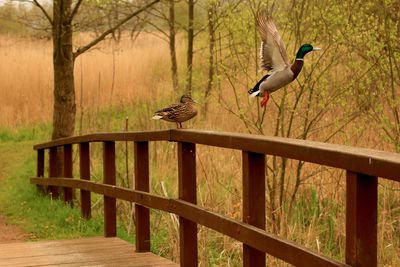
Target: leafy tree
10, 22
372, 38
216, 11
299, 110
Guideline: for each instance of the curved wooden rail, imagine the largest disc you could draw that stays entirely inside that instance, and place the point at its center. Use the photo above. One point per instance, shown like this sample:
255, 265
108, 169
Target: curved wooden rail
253, 236
363, 166
362, 160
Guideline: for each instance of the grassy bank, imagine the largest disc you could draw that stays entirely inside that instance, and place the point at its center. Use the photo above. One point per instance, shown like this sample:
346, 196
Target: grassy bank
37, 215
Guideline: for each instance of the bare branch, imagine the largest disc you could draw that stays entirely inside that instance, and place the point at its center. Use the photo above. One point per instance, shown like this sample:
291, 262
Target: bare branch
76, 8
158, 29
111, 30
157, 35
43, 10
159, 14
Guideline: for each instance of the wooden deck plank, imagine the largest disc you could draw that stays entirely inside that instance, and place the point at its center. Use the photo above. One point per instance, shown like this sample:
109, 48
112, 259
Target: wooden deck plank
132, 262
78, 252
43, 245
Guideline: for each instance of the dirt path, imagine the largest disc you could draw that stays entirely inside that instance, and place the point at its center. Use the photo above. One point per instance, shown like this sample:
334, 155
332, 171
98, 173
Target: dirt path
8, 232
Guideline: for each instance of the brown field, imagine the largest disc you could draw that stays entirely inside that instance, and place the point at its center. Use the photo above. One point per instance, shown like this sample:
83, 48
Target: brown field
27, 78
132, 80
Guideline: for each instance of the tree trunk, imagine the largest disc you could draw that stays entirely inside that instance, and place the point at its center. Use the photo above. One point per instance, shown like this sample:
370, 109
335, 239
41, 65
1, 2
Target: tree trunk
190, 46
63, 62
211, 31
172, 34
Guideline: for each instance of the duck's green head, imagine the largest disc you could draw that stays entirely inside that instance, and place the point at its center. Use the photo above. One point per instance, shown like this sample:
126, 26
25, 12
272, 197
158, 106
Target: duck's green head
304, 49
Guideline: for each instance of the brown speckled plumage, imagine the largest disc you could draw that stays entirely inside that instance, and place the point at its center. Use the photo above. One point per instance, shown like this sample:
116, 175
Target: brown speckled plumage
178, 113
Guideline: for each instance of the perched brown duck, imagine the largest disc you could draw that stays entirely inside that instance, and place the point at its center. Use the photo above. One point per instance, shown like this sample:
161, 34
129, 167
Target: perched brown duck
178, 113
275, 60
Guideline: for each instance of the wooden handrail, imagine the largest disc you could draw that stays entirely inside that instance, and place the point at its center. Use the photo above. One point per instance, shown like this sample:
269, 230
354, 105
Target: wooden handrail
362, 160
362, 166
103, 137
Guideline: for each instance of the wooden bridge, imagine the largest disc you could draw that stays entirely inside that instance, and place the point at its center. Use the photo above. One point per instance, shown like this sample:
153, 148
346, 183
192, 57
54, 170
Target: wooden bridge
362, 167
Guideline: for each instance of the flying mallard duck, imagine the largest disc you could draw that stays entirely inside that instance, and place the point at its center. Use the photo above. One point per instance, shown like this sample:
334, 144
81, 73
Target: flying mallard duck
178, 113
275, 60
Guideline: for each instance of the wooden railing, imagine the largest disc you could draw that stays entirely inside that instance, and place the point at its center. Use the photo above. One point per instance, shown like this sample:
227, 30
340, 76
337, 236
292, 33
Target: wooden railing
362, 166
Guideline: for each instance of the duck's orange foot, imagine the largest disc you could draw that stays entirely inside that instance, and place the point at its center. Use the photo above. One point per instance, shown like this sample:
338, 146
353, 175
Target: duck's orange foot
265, 100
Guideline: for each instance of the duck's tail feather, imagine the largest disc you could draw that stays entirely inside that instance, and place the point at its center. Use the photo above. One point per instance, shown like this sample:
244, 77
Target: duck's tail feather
256, 93
156, 117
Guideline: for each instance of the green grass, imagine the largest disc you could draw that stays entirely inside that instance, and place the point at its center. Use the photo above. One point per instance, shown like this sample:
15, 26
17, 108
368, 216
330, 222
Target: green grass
37, 215
26, 133
40, 217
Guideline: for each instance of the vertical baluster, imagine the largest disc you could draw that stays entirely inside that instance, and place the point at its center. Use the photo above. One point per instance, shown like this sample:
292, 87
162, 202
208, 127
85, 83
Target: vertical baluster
253, 202
142, 183
40, 163
68, 173
361, 219
53, 170
110, 219
187, 192
84, 167
40, 166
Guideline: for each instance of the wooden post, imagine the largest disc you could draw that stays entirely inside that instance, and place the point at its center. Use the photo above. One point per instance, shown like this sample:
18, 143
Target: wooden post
68, 173
361, 219
53, 171
253, 202
110, 215
84, 168
187, 192
142, 183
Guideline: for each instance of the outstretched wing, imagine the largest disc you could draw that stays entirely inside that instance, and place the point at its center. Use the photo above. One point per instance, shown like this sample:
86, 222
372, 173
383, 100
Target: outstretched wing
273, 51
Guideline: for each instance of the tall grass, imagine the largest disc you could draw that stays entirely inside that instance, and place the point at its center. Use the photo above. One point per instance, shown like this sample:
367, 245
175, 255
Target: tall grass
26, 82
133, 73
132, 80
